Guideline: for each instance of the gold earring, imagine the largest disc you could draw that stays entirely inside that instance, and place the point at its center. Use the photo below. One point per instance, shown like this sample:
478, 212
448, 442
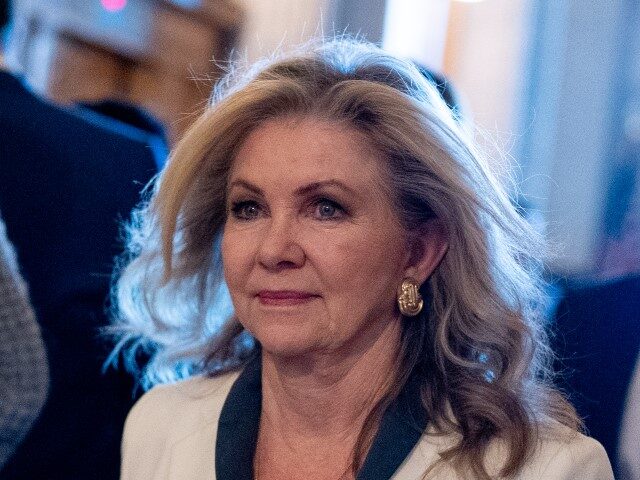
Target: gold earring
409, 298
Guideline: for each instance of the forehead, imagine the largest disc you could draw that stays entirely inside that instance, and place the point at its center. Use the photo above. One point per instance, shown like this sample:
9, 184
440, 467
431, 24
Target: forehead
295, 150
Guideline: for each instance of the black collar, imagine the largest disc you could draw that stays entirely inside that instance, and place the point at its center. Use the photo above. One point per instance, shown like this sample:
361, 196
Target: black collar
401, 427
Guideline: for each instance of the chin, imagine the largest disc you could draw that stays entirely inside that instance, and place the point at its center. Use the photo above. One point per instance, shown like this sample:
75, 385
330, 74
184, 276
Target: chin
281, 341
287, 331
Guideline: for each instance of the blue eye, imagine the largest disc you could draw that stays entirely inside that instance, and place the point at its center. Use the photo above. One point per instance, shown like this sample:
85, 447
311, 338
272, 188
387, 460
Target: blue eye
245, 210
325, 209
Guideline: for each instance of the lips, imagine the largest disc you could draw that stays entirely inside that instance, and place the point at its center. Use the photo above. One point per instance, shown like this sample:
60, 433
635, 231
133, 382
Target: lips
284, 297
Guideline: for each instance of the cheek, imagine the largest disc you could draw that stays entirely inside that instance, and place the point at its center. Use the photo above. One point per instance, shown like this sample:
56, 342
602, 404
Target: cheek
366, 262
233, 259
225, 252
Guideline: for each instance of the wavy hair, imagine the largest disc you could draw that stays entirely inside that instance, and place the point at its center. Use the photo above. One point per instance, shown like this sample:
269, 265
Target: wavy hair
480, 346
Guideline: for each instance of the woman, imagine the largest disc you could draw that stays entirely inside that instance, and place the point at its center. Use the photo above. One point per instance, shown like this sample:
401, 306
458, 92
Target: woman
385, 293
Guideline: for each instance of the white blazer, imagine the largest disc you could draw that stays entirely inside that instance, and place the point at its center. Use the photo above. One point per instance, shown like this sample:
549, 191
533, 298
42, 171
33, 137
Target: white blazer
171, 434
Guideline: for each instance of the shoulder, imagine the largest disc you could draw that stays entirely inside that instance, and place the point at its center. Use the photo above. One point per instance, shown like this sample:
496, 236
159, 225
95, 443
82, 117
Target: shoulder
168, 418
180, 405
564, 454
560, 454
191, 391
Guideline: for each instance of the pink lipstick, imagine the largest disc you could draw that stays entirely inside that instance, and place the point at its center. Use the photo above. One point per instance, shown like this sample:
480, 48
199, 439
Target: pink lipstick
284, 297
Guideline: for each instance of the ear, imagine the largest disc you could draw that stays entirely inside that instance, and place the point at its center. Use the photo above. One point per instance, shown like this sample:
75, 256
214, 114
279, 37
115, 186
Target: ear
427, 247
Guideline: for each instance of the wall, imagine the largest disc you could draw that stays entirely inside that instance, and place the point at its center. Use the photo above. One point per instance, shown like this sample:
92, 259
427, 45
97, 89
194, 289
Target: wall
567, 138
417, 29
278, 24
484, 57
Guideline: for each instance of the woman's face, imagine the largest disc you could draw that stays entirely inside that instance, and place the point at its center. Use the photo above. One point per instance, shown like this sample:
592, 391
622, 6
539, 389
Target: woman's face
313, 252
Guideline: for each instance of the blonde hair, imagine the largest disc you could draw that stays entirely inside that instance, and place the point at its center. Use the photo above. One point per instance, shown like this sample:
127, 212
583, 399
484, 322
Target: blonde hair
480, 346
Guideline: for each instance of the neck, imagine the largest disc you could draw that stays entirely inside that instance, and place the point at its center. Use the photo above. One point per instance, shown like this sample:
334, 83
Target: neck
313, 408
328, 393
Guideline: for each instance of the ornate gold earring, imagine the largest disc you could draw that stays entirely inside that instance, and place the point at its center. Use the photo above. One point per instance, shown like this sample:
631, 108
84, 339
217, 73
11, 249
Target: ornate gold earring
409, 298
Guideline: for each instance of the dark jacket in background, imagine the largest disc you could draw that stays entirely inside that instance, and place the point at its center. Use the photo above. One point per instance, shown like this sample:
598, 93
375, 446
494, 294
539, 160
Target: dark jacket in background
597, 341
66, 183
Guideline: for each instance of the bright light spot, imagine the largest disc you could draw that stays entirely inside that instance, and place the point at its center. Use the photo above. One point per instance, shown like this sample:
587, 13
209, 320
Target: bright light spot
417, 29
113, 5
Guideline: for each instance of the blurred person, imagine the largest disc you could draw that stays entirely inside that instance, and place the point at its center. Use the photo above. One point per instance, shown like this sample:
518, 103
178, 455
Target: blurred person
629, 445
598, 325
620, 254
597, 340
628, 248
446, 90
386, 295
24, 373
67, 179
132, 115
622, 259
599, 330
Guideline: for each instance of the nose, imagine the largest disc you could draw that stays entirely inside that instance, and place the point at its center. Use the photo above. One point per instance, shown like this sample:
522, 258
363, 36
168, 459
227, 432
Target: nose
279, 247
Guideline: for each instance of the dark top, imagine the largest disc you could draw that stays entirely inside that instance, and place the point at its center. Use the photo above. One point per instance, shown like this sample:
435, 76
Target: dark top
66, 183
598, 341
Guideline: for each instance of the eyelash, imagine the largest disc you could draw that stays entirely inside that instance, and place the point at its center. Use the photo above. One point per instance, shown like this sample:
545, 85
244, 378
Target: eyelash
238, 209
340, 211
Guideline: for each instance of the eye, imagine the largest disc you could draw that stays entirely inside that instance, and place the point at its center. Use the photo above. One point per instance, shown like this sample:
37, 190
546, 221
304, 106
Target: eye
325, 209
245, 210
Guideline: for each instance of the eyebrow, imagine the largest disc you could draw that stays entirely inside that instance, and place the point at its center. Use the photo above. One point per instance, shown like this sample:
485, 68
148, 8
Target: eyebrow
244, 184
304, 190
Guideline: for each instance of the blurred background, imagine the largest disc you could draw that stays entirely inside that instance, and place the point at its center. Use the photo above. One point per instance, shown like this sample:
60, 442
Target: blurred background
549, 84
550, 87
